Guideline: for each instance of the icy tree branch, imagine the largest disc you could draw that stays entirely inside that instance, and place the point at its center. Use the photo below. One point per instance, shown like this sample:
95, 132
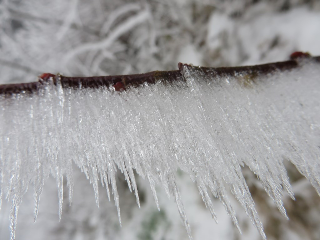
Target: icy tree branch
208, 122
120, 82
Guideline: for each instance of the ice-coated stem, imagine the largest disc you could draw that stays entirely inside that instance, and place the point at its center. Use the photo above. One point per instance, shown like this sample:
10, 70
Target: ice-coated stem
207, 122
121, 82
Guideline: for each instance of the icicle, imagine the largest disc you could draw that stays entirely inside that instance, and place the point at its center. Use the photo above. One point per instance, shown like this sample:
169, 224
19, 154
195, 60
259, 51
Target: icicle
206, 199
153, 190
14, 217
111, 173
134, 184
60, 194
209, 127
181, 208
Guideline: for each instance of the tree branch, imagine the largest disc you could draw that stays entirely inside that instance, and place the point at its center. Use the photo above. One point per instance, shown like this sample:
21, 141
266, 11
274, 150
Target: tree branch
121, 82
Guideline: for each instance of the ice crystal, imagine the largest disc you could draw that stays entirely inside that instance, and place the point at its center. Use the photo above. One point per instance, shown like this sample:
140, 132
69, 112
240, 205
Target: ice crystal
208, 126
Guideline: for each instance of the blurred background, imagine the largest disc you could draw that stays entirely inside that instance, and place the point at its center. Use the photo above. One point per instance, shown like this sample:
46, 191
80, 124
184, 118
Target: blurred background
107, 37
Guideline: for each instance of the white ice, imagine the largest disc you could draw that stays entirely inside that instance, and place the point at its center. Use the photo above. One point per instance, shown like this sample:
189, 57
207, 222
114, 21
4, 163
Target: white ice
209, 127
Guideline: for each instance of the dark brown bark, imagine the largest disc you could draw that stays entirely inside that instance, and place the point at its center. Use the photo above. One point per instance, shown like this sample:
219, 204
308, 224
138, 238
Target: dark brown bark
121, 82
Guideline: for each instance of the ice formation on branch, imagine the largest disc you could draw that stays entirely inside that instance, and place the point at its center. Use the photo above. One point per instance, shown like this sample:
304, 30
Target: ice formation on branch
207, 126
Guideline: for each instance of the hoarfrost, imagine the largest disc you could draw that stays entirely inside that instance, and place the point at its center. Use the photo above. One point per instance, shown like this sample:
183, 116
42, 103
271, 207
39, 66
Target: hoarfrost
209, 127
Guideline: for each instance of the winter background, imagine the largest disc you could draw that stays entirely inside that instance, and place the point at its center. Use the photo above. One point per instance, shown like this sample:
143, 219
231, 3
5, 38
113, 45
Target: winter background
102, 37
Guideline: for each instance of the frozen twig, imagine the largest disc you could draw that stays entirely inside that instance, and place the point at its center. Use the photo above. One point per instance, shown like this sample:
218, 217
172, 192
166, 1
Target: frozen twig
116, 14
116, 33
68, 20
120, 82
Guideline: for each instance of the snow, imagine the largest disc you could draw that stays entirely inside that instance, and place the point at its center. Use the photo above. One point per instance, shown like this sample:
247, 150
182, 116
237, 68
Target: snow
263, 35
289, 32
209, 127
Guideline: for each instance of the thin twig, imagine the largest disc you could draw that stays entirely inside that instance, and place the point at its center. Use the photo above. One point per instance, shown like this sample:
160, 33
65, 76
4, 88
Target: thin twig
121, 82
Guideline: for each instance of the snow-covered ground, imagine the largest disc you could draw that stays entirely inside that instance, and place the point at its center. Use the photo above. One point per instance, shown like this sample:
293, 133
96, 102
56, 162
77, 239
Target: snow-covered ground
115, 37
